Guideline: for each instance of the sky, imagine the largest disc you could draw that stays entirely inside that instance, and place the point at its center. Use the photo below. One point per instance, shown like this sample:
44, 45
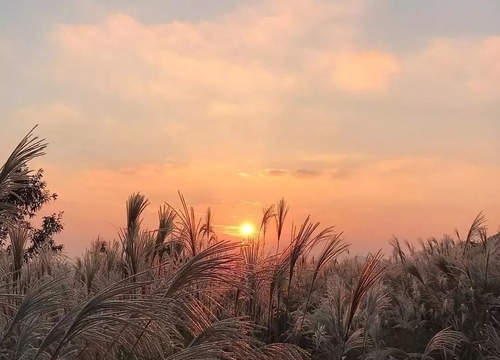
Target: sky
380, 118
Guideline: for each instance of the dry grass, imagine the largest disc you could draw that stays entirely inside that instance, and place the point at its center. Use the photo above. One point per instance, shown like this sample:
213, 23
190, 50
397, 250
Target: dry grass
178, 292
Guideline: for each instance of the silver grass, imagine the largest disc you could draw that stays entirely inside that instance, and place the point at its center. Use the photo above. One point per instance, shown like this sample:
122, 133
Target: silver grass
11, 174
446, 342
216, 263
188, 229
207, 233
302, 243
332, 250
121, 308
33, 316
267, 214
135, 206
18, 236
477, 227
282, 209
166, 218
257, 272
370, 274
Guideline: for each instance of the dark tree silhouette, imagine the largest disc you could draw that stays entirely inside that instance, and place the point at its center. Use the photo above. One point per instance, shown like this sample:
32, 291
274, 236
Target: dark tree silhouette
29, 200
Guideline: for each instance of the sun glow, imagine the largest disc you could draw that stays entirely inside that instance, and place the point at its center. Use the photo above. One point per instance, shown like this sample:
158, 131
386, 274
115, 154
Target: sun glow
247, 229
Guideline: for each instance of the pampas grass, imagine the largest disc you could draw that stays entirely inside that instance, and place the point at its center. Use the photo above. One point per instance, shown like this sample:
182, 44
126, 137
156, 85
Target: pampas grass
180, 292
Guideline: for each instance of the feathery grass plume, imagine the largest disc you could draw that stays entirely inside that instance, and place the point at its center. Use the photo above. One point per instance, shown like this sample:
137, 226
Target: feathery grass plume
33, 316
210, 351
491, 346
446, 342
232, 329
206, 231
457, 234
166, 218
231, 339
138, 249
45, 263
423, 246
413, 270
257, 269
477, 227
135, 206
370, 274
188, 230
410, 247
146, 249
330, 315
433, 245
355, 341
267, 214
282, 209
92, 276
400, 254
491, 257
377, 302
301, 244
331, 251
100, 318
11, 175
18, 236
218, 350
215, 263
112, 254
446, 265
282, 351
278, 278
88, 266
398, 251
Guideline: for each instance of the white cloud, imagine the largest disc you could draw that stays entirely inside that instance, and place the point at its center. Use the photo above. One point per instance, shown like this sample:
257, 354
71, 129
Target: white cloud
256, 52
55, 113
464, 70
271, 77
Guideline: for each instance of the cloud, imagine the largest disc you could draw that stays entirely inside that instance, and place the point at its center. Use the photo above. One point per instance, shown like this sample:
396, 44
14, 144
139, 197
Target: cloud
4, 49
455, 69
170, 62
255, 52
370, 71
306, 173
222, 90
300, 173
55, 113
275, 172
339, 166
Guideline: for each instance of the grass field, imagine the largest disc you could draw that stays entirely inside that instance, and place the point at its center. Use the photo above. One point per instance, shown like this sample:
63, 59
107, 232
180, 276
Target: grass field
178, 292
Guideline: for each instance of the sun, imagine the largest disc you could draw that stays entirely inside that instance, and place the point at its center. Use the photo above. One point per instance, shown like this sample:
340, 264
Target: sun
247, 229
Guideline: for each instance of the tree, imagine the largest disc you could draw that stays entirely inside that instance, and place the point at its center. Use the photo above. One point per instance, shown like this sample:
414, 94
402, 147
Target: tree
28, 199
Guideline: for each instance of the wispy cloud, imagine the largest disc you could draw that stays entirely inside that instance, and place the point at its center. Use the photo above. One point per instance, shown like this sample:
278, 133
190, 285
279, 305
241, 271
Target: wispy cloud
49, 115
300, 173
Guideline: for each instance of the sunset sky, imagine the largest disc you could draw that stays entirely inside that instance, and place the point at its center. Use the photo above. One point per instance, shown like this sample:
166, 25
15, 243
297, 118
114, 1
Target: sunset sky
378, 117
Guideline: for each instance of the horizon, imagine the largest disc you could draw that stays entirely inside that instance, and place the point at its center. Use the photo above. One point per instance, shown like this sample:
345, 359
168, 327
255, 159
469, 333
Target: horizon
380, 119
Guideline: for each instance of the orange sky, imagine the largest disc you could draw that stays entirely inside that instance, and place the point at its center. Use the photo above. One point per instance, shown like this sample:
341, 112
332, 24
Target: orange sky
356, 117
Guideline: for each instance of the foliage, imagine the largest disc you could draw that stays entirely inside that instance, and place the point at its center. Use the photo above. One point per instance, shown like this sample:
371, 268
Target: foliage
27, 200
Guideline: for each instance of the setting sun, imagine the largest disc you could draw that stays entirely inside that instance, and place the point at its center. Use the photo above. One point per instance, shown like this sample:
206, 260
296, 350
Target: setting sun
247, 229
